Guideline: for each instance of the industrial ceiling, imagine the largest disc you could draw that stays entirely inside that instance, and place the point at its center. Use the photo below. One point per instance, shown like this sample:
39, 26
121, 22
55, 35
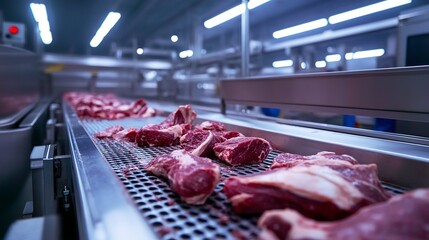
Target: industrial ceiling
152, 22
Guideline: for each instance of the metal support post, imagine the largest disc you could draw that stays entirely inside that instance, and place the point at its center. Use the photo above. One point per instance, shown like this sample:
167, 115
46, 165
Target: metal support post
245, 43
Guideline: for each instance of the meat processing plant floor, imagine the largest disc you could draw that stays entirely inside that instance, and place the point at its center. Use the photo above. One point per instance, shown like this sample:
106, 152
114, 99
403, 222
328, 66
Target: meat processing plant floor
162, 208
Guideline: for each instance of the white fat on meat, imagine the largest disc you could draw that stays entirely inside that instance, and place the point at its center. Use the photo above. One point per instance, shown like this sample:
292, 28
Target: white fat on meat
301, 227
175, 130
183, 158
315, 182
202, 147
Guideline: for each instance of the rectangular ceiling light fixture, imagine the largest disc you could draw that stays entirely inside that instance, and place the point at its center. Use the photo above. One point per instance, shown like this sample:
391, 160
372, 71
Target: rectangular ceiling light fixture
333, 58
301, 28
110, 21
232, 13
41, 16
282, 63
320, 64
366, 54
373, 8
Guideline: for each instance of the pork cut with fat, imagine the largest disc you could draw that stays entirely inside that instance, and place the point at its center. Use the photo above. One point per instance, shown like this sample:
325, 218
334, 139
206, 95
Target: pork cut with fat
322, 191
289, 159
402, 217
192, 177
242, 150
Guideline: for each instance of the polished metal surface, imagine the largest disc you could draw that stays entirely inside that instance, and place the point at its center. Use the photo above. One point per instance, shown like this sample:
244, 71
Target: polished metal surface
19, 84
245, 42
396, 93
103, 209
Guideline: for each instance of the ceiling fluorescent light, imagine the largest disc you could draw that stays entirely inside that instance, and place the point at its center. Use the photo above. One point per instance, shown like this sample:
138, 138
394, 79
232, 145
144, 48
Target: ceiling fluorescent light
108, 23
333, 58
373, 8
368, 53
282, 63
231, 13
349, 56
301, 28
186, 54
41, 16
320, 64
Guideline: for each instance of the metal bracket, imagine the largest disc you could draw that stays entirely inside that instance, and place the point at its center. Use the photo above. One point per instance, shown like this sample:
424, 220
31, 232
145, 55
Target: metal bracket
48, 179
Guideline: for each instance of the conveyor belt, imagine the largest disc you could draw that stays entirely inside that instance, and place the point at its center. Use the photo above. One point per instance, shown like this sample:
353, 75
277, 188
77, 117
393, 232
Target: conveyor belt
162, 208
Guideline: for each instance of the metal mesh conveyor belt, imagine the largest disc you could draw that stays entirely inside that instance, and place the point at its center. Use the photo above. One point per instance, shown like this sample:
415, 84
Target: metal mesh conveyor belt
162, 208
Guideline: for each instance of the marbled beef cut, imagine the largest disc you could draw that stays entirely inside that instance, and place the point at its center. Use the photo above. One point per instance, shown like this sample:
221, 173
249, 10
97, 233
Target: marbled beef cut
289, 159
198, 142
109, 132
402, 217
190, 176
107, 106
128, 134
157, 135
169, 131
320, 191
242, 150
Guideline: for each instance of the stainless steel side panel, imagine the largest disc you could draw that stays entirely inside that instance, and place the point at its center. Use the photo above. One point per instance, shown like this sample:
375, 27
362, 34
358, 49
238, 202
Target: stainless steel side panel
397, 93
104, 210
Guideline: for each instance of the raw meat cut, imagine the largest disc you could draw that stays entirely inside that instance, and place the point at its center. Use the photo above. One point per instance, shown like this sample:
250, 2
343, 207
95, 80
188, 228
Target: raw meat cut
128, 134
289, 159
402, 217
183, 115
107, 106
211, 126
325, 192
192, 177
157, 135
109, 132
198, 142
169, 131
242, 150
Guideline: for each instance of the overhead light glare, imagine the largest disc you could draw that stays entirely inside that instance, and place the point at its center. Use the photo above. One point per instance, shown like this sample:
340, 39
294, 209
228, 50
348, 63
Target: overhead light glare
368, 53
320, 64
301, 28
140, 51
333, 58
232, 13
186, 54
41, 17
174, 38
303, 65
349, 56
283, 63
373, 8
108, 23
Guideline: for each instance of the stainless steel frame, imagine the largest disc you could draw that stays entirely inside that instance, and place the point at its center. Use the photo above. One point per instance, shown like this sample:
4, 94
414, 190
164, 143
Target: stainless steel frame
397, 93
102, 207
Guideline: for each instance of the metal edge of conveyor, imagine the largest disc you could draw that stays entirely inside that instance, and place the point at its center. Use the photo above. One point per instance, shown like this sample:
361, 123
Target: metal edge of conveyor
103, 207
399, 163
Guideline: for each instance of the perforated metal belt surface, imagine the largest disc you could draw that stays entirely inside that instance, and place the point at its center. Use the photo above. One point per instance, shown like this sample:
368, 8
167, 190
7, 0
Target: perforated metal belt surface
161, 207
